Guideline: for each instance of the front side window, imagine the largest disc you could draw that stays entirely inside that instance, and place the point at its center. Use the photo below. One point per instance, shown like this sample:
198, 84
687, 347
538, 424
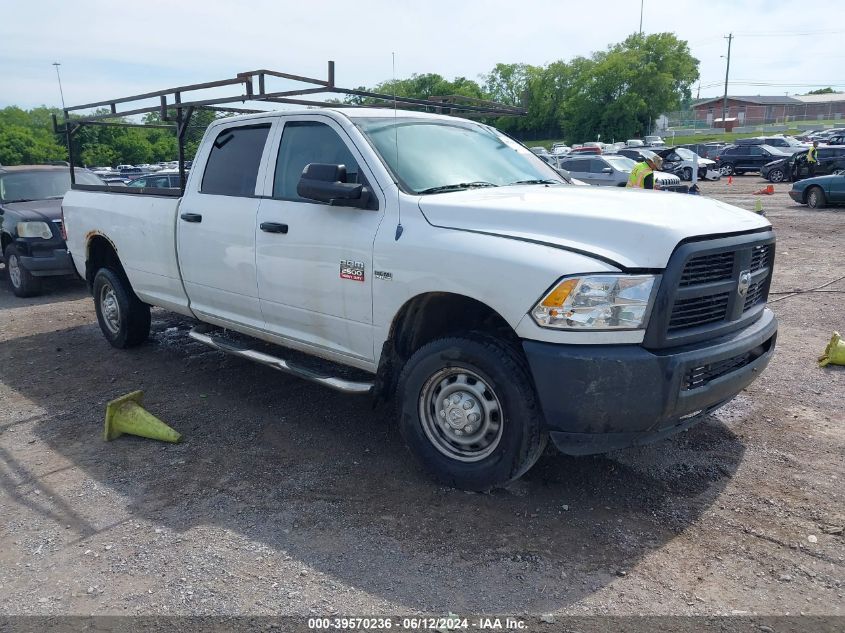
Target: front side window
435, 155
232, 167
305, 142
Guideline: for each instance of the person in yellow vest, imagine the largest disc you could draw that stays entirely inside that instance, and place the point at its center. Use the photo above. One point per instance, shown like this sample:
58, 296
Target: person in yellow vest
642, 174
812, 158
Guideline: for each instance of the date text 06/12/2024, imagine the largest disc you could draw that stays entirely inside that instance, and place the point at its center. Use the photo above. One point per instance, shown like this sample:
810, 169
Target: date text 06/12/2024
450, 623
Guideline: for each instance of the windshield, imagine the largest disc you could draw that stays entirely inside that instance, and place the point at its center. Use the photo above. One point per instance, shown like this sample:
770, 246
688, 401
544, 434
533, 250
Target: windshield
686, 154
437, 155
41, 184
622, 163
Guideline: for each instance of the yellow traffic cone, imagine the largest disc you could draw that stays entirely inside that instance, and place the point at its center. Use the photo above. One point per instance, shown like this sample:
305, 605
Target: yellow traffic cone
758, 206
834, 353
126, 415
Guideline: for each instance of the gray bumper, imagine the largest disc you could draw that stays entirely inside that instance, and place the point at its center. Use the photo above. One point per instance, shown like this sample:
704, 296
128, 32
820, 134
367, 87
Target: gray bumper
49, 263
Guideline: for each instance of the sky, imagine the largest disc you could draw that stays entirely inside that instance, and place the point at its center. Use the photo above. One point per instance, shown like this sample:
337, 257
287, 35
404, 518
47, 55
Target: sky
109, 49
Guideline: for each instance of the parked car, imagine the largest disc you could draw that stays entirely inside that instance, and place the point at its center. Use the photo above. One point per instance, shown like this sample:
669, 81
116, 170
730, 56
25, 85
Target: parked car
739, 159
164, 179
654, 141
830, 160
820, 191
505, 307
682, 161
634, 142
31, 233
705, 150
586, 149
561, 149
612, 170
785, 144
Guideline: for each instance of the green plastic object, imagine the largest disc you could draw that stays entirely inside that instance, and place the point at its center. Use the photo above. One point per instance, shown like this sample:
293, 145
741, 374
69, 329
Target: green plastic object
834, 353
126, 415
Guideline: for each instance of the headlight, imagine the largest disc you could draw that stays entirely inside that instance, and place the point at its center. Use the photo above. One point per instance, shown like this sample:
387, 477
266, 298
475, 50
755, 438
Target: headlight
34, 229
597, 302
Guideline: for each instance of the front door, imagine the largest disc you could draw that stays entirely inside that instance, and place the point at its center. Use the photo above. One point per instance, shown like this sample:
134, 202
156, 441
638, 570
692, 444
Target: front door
315, 260
216, 225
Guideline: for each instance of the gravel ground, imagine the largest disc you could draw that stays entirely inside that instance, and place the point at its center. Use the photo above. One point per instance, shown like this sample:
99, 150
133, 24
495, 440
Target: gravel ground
285, 498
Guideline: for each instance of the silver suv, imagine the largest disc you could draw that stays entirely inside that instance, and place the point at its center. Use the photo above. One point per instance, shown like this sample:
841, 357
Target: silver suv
611, 171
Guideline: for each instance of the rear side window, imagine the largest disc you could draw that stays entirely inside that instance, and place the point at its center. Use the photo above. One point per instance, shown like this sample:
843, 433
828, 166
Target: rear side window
232, 166
305, 142
576, 165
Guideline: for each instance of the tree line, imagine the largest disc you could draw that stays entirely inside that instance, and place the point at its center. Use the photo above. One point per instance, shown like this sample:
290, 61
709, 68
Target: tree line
616, 93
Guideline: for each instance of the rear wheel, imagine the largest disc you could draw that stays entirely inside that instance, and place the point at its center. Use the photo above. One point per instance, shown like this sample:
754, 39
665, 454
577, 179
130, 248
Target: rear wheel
21, 281
776, 175
469, 413
815, 198
727, 169
124, 319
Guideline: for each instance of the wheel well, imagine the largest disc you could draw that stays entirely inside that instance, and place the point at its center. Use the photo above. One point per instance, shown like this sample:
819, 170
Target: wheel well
428, 317
101, 254
5, 240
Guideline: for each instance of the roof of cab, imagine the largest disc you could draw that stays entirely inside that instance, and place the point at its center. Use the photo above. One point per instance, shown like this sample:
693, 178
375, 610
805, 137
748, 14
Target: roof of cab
349, 113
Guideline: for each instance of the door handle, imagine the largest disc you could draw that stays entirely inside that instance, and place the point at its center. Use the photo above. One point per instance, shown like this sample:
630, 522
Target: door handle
273, 227
191, 217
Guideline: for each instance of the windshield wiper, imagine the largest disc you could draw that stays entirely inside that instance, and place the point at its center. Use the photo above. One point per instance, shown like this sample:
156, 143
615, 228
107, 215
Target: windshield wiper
457, 187
536, 182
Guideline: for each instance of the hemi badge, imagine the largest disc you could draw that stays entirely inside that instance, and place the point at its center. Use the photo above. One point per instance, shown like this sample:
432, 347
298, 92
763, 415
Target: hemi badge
352, 270
383, 275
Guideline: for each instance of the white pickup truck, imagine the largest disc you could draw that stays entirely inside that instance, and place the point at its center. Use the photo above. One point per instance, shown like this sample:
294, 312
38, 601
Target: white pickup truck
498, 305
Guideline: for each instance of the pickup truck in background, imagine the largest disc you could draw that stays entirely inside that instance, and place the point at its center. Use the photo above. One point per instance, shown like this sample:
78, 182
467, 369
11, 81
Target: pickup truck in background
495, 304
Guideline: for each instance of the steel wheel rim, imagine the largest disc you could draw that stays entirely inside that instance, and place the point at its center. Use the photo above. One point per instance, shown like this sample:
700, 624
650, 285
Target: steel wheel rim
813, 198
110, 308
461, 415
14, 271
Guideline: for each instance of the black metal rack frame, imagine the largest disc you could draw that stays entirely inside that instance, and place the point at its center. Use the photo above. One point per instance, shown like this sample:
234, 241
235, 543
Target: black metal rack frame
174, 99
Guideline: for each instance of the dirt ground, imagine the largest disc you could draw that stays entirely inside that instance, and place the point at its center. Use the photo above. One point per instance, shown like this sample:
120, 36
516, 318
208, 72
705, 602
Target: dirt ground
286, 498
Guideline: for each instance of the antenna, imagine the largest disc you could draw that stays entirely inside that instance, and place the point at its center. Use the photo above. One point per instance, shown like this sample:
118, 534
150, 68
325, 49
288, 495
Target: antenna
399, 228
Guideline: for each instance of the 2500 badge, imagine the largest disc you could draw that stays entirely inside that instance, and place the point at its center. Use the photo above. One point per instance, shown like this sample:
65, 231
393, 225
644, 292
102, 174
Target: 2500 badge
352, 270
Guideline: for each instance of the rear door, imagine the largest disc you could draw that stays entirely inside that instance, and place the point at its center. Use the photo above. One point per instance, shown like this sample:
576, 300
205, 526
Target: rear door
579, 168
315, 261
216, 224
598, 173
836, 193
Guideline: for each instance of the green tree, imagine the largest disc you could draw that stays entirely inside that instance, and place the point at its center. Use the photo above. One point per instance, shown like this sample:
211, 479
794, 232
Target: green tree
823, 91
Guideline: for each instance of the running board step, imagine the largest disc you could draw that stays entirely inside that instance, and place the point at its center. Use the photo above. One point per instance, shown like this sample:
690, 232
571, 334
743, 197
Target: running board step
229, 347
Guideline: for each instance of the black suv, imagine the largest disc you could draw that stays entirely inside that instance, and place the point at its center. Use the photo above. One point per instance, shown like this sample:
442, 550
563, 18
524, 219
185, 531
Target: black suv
30, 223
830, 159
738, 159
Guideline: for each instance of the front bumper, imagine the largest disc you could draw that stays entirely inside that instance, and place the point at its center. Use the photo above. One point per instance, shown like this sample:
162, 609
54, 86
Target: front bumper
47, 261
597, 398
798, 196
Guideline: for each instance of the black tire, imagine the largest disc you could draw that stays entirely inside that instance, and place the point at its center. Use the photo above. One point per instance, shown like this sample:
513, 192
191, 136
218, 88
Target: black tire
21, 281
124, 319
502, 377
727, 169
776, 175
815, 198
687, 174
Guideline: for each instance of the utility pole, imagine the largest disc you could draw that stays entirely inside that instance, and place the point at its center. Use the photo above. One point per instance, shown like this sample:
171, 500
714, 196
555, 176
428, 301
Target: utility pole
641, 16
727, 72
59, 77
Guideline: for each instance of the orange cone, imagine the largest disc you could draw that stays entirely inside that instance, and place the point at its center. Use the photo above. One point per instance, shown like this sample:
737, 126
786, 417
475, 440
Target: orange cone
770, 189
730, 180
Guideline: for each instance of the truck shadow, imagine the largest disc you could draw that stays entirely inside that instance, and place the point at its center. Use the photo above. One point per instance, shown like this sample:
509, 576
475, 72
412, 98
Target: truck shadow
325, 479
55, 290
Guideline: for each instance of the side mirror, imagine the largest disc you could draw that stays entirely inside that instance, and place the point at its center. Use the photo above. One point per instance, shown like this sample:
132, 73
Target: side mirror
327, 183
607, 170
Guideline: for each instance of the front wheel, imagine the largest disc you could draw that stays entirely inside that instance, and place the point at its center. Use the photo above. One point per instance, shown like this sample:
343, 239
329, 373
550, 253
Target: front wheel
21, 281
727, 169
469, 413
815, 198
124, 319
687, 175
776, 175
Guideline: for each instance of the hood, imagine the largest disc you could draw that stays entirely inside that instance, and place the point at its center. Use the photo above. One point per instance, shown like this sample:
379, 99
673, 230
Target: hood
36, 210
706, 162
635, 228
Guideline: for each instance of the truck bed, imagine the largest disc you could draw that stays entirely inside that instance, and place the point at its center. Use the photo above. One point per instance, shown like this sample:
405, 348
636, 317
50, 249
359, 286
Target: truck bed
142, 229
